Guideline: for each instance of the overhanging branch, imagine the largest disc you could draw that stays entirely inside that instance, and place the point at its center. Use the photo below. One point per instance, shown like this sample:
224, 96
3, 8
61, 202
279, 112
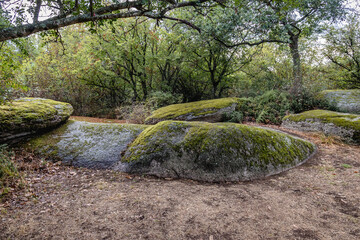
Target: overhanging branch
132, 9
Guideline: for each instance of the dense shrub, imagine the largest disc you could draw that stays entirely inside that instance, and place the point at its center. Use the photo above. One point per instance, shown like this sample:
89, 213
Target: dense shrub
273, 105
160, 99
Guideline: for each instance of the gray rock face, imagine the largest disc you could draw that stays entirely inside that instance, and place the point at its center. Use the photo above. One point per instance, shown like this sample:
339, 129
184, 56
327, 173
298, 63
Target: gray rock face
213, 152
345, 100
91, 145
344, 125
27, 116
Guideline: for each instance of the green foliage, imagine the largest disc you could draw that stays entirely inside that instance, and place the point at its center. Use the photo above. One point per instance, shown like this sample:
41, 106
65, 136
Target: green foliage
273, 105
308, 101
160, 99
267, 108
235, 117
343, 50
8, 172
11, 57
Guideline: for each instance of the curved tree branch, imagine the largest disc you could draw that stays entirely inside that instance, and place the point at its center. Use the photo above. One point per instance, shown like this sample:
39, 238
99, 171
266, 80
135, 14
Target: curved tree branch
126, 9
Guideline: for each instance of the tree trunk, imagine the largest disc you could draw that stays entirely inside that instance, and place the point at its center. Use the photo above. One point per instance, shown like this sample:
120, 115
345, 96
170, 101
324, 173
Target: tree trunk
297, 81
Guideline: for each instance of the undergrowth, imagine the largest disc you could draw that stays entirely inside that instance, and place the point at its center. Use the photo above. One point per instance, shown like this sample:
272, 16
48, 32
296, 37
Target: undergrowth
10, 178
272, 106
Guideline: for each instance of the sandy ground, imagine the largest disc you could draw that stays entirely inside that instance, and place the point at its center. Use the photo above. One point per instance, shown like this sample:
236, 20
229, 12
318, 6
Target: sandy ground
318, 200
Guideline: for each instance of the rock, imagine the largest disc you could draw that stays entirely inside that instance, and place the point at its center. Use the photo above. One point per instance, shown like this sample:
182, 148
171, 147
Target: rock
26, 116
214, 152
345, 100
344, 125
84, 144
206, 110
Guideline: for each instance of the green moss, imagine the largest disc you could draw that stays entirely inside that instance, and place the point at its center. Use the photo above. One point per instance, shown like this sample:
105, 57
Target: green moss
345, 120
199, 108
220, 143
32, 113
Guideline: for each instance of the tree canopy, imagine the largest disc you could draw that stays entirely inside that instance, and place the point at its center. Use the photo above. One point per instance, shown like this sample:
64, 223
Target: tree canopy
18, 19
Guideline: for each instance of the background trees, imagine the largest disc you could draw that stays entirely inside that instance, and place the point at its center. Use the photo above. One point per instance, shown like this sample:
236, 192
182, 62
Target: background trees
235, 48
343, 50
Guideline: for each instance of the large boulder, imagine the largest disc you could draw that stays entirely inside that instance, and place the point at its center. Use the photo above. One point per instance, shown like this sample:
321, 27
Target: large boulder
213, 152
206, 110
344, 125
84, 144
344, 100
26, 116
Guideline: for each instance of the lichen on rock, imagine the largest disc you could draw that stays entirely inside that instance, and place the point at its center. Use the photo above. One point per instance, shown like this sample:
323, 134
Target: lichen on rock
214, 152
344, 125
26, 116
206, 110
84, 144
344, 100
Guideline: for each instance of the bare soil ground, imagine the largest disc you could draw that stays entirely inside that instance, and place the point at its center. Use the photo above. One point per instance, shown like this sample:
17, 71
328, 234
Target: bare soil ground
318, 200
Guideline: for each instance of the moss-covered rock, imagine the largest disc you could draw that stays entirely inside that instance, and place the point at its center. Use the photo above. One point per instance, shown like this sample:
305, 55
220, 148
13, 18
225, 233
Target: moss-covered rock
344, 100
84, 144
27, 116
214, 152
344, 125
206, 110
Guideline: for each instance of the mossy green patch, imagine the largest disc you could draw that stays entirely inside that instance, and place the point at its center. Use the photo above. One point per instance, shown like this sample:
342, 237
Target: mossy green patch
345, 120
30, 115
214, 152
193, 110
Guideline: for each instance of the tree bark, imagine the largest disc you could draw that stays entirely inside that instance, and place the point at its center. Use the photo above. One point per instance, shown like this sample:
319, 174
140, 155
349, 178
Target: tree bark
297, 78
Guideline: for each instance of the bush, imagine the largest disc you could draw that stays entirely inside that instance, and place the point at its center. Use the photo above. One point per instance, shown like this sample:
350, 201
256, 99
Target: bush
235, 117
160, 99
136, 112
9, 176
308, 101
273, 105
270, 107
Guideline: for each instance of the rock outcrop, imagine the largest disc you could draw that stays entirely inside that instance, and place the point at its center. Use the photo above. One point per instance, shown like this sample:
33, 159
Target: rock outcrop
344, 100
206, 110
344, 125
84, 144
26, 116
213, 152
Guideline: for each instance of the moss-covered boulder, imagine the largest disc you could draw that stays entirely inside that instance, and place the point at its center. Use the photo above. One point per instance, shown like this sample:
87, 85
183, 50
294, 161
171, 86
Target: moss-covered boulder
344, 125
344, 100
26, 116
206, 110
214, 152
84, 144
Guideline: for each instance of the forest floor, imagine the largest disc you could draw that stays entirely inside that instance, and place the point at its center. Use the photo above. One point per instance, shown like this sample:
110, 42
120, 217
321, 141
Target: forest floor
317, 200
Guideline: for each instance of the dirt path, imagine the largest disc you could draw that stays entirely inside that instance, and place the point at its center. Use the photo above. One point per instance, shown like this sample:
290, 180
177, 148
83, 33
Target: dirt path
318, 200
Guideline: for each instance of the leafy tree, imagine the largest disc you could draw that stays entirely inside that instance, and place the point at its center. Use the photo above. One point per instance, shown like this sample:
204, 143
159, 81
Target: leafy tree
343, 50
256, 22
12, 55
68, 12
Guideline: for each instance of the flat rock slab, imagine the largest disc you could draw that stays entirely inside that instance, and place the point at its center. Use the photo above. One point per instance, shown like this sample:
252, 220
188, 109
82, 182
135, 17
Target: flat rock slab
84, 144
214, 152
344, 125
345, 100
26, 116
206, 110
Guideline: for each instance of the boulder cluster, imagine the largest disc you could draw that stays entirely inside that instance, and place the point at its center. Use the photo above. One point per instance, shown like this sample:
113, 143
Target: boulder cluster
197, 150
179, 141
